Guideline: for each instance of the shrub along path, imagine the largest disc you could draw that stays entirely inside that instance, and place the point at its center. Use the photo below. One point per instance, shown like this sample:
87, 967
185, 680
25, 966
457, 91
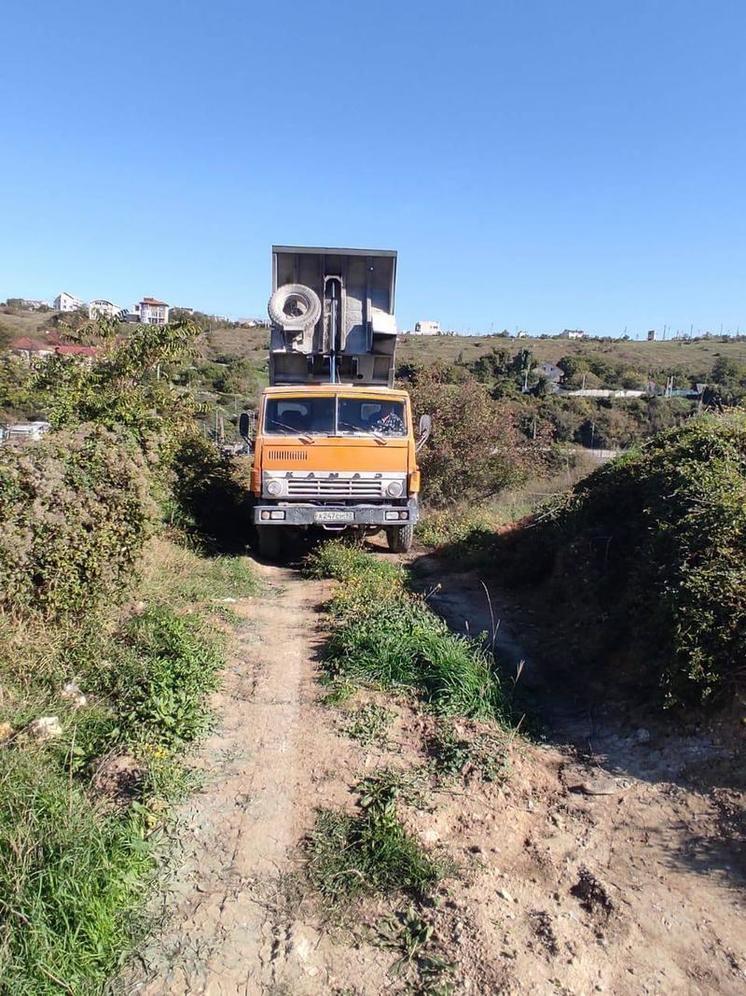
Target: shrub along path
358, 839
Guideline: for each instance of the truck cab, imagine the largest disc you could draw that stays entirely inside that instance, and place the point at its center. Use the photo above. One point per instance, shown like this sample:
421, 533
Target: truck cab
335, 445
335, 457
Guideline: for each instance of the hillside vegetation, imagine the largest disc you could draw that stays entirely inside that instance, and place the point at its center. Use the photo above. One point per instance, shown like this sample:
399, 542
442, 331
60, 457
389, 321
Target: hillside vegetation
228, 368
646, 558
112, 635
691, 356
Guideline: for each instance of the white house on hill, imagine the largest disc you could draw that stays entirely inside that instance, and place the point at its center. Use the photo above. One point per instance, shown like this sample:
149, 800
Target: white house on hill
427, 328
101, 308
67, 302
152, 311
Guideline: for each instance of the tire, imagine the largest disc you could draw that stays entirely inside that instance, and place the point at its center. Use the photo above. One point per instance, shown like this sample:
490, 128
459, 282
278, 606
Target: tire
281, 309
269, 542
400, 538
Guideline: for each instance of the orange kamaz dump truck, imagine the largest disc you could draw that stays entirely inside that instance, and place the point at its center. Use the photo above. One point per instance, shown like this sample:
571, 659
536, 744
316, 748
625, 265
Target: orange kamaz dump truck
334, 446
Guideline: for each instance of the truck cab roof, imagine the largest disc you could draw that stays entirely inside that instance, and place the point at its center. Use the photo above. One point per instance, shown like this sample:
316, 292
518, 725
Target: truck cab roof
362, 389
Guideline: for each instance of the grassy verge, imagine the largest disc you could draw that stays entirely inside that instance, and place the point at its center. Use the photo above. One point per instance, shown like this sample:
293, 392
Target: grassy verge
468, 535
387, 636
84, 794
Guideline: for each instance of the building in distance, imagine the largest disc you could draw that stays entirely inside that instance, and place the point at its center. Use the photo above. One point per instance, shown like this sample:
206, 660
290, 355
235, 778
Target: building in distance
151, 311
427, 328
67, 302
101, 308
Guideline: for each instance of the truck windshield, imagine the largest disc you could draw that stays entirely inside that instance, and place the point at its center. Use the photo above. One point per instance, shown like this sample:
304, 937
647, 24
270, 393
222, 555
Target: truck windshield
371, 415
293, 416
303, 415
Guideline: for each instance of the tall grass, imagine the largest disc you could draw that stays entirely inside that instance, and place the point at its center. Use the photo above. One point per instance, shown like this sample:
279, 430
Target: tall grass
72, 881
386, 635
76, 864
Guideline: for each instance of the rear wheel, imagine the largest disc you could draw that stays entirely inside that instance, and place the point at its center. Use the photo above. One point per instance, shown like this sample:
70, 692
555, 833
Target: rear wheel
400, 538
269, 542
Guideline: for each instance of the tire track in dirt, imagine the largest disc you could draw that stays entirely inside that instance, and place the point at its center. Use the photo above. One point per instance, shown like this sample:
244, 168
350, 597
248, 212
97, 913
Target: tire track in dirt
234, 922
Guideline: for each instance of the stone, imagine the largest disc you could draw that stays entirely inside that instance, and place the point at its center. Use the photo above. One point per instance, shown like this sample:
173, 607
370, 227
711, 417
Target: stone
72, 693
597, 785
44, 728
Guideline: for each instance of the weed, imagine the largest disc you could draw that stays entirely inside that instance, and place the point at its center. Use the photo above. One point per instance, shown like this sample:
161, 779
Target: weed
454, 755
161, 683
340, 691
344, 561
72, 881
388, 784
176, 574
464, 534
410, 932
368, 852
404, 644
369, 724
76, 812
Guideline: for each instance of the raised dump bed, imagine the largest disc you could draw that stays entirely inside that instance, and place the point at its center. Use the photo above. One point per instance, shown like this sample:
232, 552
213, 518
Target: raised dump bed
332, 315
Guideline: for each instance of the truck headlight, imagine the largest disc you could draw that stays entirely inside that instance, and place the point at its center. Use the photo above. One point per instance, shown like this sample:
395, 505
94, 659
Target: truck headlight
394, 489
274, 488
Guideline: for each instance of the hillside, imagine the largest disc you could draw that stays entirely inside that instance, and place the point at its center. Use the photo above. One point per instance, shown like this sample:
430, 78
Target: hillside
224, 341
693, 357
29, 323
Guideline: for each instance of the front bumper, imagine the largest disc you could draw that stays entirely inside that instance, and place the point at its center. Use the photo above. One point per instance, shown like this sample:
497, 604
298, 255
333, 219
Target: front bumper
298, 514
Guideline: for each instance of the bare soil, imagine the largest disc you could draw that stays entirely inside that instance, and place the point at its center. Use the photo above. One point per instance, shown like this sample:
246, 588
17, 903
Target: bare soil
611, 859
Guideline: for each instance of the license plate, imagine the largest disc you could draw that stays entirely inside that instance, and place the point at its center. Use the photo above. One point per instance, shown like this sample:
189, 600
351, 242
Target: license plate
335, 516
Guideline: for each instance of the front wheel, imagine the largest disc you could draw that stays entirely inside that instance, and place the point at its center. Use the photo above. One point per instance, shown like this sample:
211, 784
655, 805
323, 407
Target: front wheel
400, 538
269, 542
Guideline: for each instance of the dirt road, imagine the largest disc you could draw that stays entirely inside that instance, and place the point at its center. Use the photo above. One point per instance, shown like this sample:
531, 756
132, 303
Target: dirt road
611, 860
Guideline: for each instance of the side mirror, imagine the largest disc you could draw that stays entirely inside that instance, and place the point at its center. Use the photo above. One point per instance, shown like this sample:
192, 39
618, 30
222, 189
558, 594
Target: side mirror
246, 427
425, 428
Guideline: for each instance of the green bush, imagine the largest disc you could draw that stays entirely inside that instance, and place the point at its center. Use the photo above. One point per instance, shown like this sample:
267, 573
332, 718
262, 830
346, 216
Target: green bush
160, 685
477, 448
650, 551
74, 514
210, 501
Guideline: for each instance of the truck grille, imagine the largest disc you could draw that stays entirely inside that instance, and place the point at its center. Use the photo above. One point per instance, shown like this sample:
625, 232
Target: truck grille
334, 488
287, 454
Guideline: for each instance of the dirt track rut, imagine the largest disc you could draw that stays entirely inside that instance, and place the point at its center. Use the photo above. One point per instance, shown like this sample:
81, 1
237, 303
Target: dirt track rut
229, 928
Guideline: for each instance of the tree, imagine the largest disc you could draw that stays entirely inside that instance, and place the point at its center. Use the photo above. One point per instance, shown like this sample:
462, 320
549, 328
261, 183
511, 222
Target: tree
476, 448
122, 389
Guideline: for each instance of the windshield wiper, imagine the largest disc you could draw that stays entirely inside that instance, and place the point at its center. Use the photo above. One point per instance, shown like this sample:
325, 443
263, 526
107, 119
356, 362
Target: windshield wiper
356, 428
296, 432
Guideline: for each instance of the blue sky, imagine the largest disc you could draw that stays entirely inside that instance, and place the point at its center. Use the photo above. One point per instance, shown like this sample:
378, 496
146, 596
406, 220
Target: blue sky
537, 163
